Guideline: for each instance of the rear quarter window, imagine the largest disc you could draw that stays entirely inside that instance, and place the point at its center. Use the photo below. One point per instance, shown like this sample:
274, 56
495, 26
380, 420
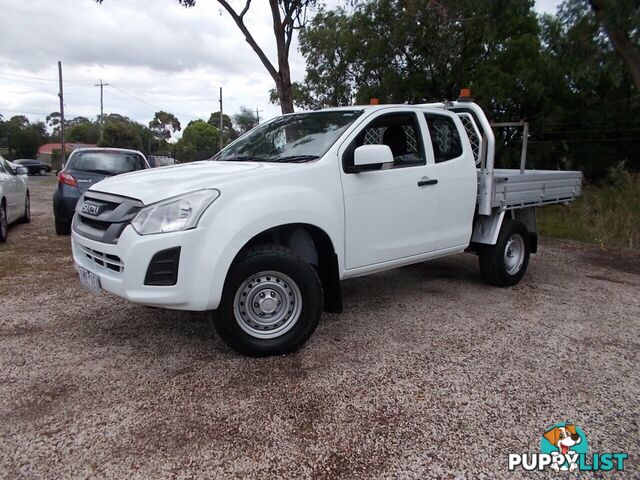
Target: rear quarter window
445, 137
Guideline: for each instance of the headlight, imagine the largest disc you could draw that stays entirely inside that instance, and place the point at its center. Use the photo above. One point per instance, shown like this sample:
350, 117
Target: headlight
175, 214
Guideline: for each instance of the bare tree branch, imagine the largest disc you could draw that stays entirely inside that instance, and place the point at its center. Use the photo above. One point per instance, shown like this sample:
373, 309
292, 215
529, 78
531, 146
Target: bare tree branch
245, 9
238, 18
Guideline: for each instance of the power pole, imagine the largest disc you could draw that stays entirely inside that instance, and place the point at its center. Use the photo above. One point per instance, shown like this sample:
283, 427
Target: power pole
221, 141
63, 153
101, 85
258, 115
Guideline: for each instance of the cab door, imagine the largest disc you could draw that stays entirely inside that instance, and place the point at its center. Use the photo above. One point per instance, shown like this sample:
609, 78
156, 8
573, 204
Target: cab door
455, 168
390, 211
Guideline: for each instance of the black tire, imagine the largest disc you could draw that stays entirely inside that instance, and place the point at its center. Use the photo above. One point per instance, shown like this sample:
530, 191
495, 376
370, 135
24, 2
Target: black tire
3, 223
493, 262
42, 171
26, 218
278, 260
63, 228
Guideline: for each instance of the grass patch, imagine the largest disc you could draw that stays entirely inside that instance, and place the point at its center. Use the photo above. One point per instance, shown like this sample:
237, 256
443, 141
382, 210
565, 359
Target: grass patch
608, 215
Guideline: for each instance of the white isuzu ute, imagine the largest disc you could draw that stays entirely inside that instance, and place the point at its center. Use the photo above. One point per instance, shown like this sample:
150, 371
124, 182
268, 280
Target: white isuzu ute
264, 232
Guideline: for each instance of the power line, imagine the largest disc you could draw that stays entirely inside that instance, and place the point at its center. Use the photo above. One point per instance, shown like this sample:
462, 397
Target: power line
39, 80
30, 77
150, 104
128, 102
22, 111
134, 97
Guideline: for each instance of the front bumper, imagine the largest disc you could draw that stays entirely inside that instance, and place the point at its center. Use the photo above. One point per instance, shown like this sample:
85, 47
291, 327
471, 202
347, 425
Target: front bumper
122, 267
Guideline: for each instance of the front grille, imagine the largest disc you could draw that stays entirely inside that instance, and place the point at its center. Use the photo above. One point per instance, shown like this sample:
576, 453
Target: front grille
105, 260
97, 224
163, 268
102, 217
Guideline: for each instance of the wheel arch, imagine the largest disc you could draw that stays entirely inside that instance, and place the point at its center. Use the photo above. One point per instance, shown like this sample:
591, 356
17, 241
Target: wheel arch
487, 228
315, 246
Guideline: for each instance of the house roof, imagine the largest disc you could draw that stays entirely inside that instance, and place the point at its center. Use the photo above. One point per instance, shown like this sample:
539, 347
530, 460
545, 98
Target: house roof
69, 147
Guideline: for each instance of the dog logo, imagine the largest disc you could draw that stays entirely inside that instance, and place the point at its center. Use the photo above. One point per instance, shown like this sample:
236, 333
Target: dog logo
567, 440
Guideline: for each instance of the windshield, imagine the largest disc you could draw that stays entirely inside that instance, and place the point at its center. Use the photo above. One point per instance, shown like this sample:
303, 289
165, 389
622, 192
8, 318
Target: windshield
298, 137
109, 163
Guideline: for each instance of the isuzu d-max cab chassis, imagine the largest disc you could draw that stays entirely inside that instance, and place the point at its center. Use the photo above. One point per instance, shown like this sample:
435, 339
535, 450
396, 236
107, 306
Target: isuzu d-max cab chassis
263, 233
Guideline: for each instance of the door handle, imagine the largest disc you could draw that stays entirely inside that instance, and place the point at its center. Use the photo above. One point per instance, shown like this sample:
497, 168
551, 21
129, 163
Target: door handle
426, 181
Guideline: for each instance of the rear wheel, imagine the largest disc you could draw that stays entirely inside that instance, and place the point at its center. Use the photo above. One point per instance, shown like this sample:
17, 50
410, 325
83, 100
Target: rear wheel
505, 263
3, 223
63, 228
26, 218
43, 171
271, 302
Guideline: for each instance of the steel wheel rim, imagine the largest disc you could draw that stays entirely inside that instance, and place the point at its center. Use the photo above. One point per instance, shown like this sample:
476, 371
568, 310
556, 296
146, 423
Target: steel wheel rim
267, 304
514, 254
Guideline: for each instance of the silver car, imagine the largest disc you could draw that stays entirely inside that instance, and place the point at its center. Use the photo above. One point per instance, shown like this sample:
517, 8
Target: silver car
15, 205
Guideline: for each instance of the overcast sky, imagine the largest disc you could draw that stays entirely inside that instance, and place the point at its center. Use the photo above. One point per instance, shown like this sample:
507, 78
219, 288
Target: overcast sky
166, 57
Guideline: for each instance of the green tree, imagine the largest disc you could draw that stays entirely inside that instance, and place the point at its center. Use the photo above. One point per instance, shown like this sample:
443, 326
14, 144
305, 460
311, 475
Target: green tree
620, 19
23, 137
122, 132
560, 73
229, 133
164, 125
199, 141
53, 121
406, 52
245, 120
300, 95
590, 118
82, 130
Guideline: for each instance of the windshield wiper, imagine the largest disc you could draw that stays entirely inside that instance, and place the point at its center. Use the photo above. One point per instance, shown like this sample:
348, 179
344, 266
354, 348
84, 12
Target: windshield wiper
285, 159
241, 158
295, 158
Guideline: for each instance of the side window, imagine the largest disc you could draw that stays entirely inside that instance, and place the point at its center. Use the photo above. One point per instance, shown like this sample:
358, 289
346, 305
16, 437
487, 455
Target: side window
444, 137
2, 167
399, 131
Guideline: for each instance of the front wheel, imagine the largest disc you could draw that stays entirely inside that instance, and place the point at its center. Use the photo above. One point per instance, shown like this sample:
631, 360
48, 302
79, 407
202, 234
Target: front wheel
505, 263
271, 302
42, 171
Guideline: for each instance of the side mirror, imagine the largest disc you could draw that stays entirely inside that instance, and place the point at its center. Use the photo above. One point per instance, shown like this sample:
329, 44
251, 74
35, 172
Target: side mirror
370, 155
21, 170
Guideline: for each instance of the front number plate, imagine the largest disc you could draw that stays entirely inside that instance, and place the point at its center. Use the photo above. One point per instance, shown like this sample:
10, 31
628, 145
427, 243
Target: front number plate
89, 280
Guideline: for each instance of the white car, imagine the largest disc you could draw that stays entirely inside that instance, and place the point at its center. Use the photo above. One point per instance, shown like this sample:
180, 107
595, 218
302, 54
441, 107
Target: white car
266, 231
14, 196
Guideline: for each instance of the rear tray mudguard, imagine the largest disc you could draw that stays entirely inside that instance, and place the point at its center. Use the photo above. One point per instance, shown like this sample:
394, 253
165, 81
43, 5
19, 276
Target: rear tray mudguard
487, 228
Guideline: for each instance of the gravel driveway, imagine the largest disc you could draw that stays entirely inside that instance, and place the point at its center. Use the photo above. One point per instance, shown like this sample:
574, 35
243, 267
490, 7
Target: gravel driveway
429, 373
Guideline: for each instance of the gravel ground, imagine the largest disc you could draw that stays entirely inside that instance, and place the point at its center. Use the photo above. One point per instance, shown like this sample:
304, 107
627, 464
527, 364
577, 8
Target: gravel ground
429, 373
